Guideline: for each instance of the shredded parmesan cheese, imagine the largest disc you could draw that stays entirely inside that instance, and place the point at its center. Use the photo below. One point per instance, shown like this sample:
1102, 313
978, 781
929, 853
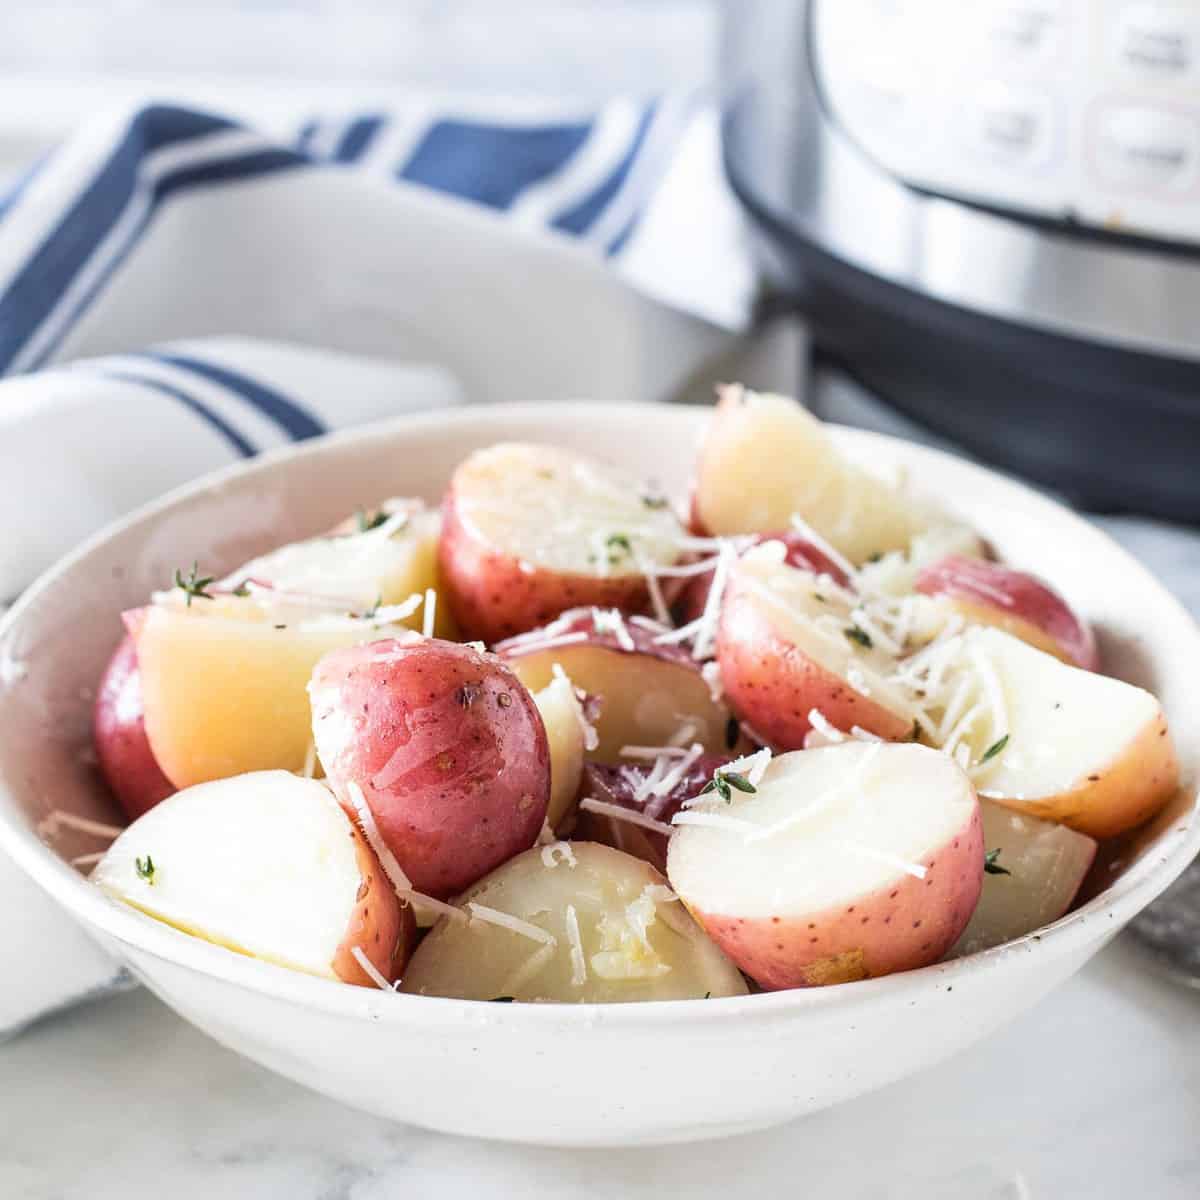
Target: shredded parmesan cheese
909, 868
714, 820
835, 556
493, 916
373, 973
557, 852
675, 775
88, 860
618, 813
61, 819
429, 616
702, 645
710, 672
578, 963
310, 760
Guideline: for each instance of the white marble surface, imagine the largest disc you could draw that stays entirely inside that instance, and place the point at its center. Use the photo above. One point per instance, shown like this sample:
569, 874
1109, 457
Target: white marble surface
1095, 1093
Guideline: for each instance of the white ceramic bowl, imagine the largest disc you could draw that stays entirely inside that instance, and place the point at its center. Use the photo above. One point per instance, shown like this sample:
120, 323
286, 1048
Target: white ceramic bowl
557, 1074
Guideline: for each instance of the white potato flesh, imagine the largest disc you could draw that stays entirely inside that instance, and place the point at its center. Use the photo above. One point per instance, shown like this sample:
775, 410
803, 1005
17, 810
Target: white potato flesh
1046, 864
766, 458
549, 508
823, 826
264, 864
605, 932
356, 570
814, 616
562, 714
1062, 723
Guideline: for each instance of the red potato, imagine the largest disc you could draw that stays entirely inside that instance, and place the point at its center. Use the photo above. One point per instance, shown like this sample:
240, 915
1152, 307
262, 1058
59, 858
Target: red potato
119, 736
269, 865
648, 692
801, 553
847, 863
764, 458
531, 531
576, 923
987, 593
1035, 876
787, 645
447, 747
1088, 751
618, 785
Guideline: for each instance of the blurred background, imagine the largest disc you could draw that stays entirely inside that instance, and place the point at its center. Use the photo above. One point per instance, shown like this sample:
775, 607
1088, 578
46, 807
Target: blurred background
276, 59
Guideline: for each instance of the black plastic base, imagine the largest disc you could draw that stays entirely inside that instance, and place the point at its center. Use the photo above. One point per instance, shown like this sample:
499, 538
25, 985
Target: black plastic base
1117, 430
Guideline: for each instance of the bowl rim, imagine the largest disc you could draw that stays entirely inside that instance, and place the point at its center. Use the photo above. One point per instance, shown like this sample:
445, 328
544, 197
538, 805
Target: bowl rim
1151, 874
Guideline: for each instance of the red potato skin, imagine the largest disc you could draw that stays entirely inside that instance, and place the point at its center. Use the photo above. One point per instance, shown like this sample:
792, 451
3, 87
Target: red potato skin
492, 598
380, 924
613, 785
909, 924
448, 748
801, 553
1035, 612
119, 736
773, 685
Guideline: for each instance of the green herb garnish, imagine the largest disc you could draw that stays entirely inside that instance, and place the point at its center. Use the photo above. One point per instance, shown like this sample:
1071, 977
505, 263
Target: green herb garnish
858, 635
723, 781
995, 748
502, 999
193, 586
651, 500
242, 589
144, 868
991, 866
367, 521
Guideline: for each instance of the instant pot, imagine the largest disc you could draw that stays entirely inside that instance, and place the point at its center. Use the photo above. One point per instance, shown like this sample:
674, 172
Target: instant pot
990, 214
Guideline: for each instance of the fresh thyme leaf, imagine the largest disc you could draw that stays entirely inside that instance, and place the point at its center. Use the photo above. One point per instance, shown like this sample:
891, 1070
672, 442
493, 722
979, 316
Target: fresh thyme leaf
738, 781
874, 558
368, 521
653, 500
144, 868
242, 589
817, 596
995, 748
618, 544
502, 999
858, 635
708, 995
991, 866
193, 586
710, 786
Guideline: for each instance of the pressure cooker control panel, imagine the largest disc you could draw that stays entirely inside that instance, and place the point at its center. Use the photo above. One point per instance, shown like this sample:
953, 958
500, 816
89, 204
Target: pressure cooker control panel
1086, 110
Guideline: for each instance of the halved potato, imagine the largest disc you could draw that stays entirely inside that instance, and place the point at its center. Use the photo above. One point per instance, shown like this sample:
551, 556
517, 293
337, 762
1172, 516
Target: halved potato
531, 531
1037, 868
1079, 748
846, 863
764, 458
788, 644
593, 925
648, 692
269, 865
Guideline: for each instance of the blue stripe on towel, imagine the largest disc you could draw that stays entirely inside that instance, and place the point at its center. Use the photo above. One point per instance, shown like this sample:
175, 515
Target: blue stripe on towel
224, 170
297, 423
227, 431
358, 136
51, 268
579, 218
492, 164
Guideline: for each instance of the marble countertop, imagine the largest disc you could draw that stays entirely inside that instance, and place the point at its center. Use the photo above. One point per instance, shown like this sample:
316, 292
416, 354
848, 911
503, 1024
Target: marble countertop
1094, 1093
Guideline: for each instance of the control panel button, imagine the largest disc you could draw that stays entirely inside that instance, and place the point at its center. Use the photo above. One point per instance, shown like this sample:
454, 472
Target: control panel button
1027, 31
1009, 124
1156, 40
1140, 146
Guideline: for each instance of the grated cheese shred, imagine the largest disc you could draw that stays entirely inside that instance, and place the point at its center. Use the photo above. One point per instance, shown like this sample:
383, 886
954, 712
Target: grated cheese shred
493, 916
373, 972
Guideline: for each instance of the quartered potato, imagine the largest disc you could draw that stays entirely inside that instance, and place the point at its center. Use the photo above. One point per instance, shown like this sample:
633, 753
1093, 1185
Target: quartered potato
269, 865
572, 922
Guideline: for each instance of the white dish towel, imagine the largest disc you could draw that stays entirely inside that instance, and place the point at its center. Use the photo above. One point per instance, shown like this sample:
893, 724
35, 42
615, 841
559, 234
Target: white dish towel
178, 290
